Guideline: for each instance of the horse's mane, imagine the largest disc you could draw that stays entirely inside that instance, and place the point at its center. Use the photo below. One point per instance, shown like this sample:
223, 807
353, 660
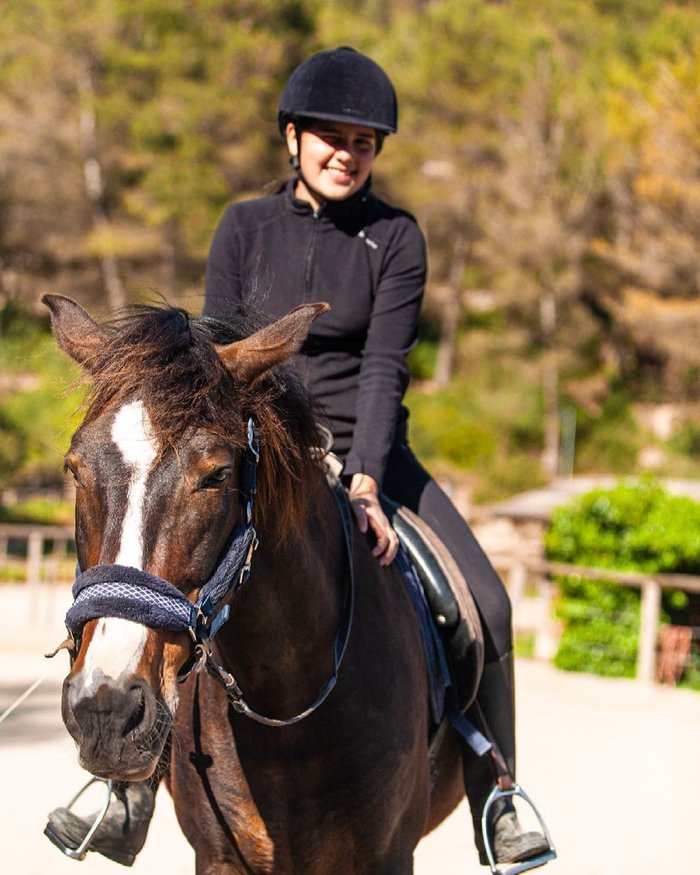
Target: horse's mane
167, 359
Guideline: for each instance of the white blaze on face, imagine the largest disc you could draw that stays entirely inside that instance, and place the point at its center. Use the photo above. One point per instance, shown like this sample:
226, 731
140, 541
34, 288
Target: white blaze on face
117, 644
131, 434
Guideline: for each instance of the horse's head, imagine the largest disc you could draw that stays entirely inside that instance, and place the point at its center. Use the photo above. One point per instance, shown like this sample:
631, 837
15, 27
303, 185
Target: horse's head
157, 464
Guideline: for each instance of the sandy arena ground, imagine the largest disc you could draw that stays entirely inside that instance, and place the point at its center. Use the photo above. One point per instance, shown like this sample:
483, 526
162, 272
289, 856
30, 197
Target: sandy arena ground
613, 765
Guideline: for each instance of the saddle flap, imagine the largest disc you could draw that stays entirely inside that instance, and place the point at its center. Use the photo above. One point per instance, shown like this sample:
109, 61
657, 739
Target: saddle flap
449, 597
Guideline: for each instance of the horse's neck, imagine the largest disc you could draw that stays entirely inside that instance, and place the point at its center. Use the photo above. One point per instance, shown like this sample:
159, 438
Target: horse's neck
279, 641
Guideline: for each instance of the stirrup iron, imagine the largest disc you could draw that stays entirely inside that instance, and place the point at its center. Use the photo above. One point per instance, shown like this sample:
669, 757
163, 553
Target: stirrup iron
523, 865
80, 852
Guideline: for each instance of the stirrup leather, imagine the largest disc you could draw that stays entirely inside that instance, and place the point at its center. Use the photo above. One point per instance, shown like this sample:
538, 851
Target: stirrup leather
524, 865
80, 852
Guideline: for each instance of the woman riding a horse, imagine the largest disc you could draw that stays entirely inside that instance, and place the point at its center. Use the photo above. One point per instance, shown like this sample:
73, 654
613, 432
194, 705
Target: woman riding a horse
354, 778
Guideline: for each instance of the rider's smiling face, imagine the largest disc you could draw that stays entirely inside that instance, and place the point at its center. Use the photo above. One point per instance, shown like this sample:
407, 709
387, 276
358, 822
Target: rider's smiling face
336, 159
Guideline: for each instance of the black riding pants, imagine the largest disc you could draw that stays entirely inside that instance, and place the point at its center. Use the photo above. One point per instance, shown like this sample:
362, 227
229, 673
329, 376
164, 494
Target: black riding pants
407, 482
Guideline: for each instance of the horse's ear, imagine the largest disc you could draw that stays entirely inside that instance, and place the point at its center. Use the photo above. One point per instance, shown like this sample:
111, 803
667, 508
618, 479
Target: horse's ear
251, 358
78, 335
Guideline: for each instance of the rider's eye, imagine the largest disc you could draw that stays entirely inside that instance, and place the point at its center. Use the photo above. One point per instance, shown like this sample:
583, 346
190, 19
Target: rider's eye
215, 478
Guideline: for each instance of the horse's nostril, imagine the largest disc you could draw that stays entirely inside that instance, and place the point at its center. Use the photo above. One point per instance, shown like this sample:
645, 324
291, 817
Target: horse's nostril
136, 694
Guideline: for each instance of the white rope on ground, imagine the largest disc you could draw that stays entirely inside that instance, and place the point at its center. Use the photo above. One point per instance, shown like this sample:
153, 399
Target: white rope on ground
25, 695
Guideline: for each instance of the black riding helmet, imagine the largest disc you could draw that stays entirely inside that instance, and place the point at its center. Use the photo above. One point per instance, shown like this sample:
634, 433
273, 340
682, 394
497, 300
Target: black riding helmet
340, 85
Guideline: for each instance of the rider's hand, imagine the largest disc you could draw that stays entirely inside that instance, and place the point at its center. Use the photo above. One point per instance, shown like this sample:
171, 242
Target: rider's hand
364, 498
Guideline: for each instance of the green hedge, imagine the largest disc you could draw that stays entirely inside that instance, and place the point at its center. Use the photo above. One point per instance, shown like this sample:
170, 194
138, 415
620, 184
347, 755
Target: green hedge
635, 527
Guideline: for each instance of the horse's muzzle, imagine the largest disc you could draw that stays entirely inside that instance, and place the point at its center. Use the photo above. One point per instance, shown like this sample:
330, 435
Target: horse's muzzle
119, 729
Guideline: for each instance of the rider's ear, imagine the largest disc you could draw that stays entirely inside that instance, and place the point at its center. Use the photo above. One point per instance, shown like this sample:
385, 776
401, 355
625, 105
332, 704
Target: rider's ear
250, 359
78, 335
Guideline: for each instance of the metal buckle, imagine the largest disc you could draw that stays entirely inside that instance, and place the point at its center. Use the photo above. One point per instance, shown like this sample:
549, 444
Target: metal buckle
80, 852
524, 865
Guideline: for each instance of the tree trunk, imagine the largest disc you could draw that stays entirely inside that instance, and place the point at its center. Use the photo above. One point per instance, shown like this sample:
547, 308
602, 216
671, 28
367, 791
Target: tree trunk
550, 384
94, 187
444, 363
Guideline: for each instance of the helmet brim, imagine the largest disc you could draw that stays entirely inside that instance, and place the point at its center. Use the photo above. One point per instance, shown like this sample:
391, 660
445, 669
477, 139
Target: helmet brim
285, 118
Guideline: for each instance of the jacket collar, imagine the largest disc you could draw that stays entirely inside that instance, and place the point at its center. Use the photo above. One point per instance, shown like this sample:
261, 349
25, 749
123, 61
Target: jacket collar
339, 212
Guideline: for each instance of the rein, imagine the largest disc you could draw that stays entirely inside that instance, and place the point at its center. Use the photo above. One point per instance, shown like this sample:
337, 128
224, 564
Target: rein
233, 691
109, 590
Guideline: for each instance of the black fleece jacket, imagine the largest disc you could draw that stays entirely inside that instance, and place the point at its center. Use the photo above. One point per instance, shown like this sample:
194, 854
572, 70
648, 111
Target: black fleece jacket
367, 260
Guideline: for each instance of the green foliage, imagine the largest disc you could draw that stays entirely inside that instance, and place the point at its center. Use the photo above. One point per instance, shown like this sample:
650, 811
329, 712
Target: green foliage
636, 527
37, 414
610, 441
687, 439
43, 511
444, 426
488, 429
421, 360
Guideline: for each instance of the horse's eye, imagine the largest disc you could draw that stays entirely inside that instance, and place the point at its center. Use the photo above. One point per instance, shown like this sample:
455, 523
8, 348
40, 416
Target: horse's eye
215, 479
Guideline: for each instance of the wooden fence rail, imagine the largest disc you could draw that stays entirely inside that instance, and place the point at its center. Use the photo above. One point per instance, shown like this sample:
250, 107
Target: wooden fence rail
651, 586
38, 559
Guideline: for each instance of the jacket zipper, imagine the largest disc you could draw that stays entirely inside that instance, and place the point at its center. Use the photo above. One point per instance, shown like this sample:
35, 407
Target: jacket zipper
308, 263
308, 268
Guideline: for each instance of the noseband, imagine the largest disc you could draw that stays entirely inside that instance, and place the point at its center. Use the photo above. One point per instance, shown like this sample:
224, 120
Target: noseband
109, 590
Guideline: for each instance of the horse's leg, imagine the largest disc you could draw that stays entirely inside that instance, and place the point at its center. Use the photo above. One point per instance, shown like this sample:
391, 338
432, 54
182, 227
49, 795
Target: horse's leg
205, 864
400, 863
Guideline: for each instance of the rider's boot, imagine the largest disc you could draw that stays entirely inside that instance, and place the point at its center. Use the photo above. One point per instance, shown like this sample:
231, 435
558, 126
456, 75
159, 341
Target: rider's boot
122, 833
497, 706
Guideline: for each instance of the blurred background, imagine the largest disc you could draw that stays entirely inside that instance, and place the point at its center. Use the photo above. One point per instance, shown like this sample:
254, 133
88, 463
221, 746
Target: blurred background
550, 151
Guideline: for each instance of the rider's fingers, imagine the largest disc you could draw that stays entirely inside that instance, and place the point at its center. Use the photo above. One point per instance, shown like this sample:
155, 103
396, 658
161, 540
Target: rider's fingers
391, 550
381, 545
388, 554
387, 544
369, 514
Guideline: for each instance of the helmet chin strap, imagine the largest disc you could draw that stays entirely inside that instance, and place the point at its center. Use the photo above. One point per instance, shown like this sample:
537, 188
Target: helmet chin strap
295, 161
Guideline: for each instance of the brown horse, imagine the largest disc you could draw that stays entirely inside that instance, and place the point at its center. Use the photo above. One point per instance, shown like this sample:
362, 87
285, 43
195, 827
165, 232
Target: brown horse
162, 467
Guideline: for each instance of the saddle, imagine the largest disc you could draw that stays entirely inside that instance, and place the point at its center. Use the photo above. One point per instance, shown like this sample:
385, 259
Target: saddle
446, 591
449, 599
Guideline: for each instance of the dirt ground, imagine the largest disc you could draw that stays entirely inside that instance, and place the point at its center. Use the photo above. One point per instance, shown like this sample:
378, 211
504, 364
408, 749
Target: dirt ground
613, 765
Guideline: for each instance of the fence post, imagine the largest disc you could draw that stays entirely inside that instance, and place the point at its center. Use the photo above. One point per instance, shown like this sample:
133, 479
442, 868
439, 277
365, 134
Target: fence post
35, 543
547, 632
517, 578
649, 623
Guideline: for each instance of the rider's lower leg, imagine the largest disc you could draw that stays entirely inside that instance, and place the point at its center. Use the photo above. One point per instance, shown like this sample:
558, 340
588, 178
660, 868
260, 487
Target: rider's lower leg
495, 701
122, 832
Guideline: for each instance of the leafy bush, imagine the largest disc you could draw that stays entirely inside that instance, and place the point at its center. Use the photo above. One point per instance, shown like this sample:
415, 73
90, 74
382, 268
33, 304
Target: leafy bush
444, 425
43, 511
421, 360
37, 413
636, 527
610, 441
